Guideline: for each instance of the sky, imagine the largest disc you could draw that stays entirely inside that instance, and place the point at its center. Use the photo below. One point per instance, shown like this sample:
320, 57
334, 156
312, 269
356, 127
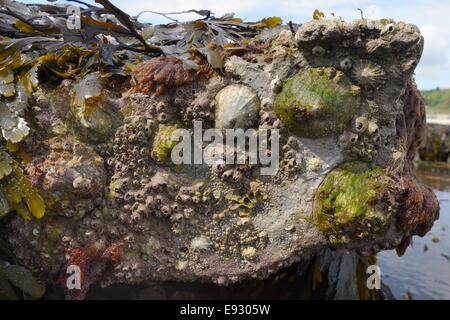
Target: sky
431, 16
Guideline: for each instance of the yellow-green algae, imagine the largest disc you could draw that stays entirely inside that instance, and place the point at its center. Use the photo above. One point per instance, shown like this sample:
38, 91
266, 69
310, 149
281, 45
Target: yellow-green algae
163, 143
18, 192
350, 202
317, 102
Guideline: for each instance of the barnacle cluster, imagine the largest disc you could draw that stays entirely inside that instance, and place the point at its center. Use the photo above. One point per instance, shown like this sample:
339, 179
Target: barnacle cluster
129, 161
238, 238
363, 140
198, 110
142, 189
232, 231
292, 156
231, 173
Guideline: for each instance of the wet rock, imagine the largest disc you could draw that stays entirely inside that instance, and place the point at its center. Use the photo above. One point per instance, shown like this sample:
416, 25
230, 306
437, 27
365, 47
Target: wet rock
343, 98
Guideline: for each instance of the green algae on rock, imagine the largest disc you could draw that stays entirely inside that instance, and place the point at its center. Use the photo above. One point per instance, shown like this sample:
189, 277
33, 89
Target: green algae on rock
353, 200
163, 143
317, 102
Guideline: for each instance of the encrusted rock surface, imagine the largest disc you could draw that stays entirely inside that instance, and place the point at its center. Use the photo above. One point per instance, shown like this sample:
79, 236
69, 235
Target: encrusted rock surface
341, 93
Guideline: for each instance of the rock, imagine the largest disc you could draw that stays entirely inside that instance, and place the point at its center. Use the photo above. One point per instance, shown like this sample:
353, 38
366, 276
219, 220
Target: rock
155, 292
350, 120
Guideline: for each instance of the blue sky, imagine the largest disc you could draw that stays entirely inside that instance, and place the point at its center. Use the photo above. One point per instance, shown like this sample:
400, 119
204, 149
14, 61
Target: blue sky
431, 16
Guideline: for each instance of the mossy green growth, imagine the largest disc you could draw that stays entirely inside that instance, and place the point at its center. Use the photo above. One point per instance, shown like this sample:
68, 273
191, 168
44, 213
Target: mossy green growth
163, 143
317, 102
353, 201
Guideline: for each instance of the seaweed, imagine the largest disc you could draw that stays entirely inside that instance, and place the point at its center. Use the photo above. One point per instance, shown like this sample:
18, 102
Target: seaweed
16, 281
111, 29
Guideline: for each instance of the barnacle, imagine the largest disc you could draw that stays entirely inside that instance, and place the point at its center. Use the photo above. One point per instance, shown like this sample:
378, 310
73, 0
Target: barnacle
360, 124
159, 74
368, 74
318, 51
200, 243
346, 63
389, 28
358, 42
